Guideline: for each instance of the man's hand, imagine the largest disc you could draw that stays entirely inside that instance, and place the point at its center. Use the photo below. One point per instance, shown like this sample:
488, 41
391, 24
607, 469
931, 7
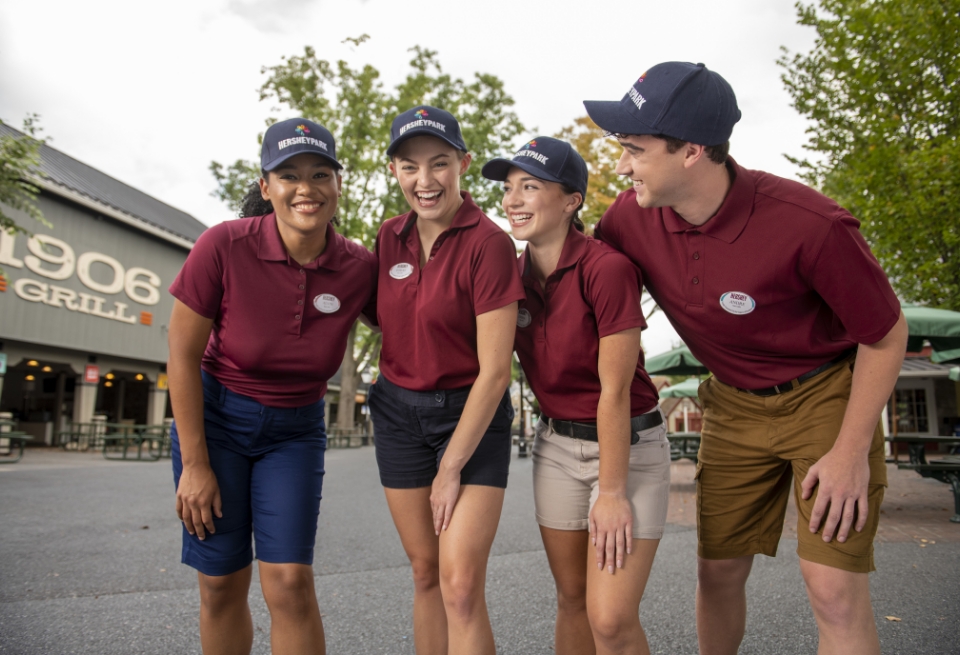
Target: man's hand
842, 479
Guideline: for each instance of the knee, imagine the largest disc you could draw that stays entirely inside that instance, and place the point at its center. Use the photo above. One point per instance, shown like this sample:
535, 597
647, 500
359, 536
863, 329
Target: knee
462, 593
426, 575
832, 604
289, 590
723, 575
571, 598
221, 593
612, 628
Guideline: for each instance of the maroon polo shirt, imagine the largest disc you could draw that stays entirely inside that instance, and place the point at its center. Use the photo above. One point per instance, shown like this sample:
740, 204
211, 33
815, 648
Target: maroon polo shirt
777, 283
279, 329
595, 292
428, 315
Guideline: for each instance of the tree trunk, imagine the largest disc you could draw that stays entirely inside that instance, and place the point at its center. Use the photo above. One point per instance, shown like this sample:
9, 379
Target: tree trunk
348, 384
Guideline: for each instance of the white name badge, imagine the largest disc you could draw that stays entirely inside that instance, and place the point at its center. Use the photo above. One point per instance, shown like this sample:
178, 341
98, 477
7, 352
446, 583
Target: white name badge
326, 303
737, 302
401, 271
523, 318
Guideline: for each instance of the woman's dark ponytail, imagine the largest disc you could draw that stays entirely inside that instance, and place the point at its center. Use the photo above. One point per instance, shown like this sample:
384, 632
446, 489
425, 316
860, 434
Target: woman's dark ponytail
253, 203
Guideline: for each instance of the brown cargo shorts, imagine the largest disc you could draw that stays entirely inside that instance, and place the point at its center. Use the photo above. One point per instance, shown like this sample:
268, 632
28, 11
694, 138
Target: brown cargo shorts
750, 449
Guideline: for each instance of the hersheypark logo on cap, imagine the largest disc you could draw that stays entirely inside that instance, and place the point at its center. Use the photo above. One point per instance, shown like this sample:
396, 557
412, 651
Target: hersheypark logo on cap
635, 96
302, 131
423, 121
526, 151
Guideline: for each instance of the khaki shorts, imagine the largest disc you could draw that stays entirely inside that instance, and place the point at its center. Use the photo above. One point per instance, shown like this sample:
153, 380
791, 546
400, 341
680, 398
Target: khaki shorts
566, 480
751, 448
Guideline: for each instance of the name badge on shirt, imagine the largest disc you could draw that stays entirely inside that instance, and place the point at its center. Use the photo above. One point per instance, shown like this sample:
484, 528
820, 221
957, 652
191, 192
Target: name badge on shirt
326, 303
523, 318
401, 271
737, 302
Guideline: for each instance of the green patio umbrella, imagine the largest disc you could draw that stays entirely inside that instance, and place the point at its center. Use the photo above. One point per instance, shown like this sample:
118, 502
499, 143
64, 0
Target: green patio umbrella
678, 361
685, 389
941, 327
946, 356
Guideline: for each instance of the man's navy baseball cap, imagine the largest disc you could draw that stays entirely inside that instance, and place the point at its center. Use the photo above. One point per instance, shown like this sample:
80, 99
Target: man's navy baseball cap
295, 136
424, 120
677, 99
545, 158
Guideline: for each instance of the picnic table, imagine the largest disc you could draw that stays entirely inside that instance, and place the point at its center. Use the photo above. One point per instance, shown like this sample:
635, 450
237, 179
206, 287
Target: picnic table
684, 445
82, 436
12, 443
120, 437
945, 469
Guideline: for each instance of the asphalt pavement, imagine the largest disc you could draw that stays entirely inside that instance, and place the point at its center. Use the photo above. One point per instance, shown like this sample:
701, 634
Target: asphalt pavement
90, 563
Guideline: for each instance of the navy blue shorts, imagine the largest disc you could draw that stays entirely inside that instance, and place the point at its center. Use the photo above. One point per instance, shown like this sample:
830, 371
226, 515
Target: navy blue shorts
269, 466
412, 429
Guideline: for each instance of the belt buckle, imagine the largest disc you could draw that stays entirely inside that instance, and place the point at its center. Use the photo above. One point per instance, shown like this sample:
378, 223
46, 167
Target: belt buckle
788, 385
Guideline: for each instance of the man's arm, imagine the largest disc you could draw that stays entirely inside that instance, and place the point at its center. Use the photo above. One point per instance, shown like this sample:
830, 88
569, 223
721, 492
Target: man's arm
843, 474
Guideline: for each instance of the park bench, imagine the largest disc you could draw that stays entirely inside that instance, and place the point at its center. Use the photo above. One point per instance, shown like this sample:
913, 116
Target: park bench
684, 445
946, 469
12, 445
147, 441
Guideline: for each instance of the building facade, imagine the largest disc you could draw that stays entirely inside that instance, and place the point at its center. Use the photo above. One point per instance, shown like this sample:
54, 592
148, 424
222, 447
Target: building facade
84, 305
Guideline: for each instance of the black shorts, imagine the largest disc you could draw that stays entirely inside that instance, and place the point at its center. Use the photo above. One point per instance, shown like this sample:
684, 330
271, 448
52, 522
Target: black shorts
412, 429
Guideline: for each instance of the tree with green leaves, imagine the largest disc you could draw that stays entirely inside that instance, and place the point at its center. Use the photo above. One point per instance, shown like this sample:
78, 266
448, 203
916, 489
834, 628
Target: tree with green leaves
357, 108
882, 89
19, 158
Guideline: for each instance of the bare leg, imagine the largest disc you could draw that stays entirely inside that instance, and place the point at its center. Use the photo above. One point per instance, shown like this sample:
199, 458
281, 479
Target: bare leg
413, 518
566, 552
295, 624
226, 627
464, 550
841, 605
722, 604
613, 601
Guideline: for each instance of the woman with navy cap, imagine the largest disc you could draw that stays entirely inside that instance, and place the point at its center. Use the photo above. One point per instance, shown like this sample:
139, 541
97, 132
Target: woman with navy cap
601, 461
263, 308
447, 305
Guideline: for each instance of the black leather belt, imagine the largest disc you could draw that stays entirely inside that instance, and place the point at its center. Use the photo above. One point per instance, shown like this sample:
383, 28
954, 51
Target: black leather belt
789, 386
588, 431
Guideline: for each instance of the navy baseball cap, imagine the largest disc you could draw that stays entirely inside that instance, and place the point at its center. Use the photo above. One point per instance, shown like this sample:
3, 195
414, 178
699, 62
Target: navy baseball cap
424, 120
295, 136
677, 99
545, 158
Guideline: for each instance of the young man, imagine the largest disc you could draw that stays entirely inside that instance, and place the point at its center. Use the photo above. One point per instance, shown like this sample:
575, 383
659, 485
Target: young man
773, 288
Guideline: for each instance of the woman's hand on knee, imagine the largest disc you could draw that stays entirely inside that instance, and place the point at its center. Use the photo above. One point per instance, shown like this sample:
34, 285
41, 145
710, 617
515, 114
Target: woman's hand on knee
611, 530
198, 499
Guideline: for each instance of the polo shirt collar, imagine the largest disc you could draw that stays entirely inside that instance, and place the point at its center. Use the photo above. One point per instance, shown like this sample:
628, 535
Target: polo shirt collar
730, 220
271, 248
574, 246
467, 216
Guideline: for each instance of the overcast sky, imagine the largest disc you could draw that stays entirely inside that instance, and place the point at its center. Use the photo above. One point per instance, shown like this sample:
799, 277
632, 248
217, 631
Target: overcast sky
152, 93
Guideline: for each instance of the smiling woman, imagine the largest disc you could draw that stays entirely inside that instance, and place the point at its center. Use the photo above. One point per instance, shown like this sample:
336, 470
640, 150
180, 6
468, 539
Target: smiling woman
264, 307
447, 306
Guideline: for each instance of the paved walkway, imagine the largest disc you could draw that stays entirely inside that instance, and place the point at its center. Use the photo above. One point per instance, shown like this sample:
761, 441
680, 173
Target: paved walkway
89, 563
